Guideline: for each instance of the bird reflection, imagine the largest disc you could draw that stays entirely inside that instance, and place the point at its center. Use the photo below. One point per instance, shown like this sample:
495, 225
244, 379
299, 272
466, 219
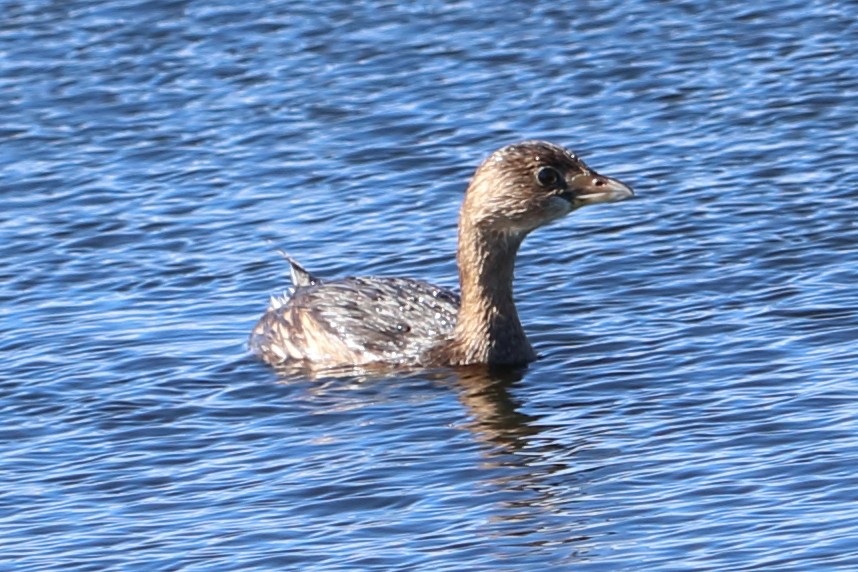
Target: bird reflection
495, 414
484, 390
529, 474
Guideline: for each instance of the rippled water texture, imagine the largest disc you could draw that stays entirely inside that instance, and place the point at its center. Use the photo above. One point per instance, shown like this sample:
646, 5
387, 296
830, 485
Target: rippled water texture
694, 407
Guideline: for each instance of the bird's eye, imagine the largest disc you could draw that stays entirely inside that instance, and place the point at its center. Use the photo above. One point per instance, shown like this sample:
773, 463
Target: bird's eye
547, 176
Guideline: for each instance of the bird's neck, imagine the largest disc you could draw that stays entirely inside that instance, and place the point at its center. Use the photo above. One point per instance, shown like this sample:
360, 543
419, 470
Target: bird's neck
488, 329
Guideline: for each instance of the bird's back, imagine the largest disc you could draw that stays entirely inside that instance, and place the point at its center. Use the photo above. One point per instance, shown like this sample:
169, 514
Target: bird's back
355, 320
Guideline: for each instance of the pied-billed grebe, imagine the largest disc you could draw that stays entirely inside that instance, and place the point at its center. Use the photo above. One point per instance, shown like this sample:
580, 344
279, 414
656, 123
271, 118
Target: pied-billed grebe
402, 321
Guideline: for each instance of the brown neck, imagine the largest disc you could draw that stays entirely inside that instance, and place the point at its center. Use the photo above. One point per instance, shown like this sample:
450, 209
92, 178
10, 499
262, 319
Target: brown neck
488, 329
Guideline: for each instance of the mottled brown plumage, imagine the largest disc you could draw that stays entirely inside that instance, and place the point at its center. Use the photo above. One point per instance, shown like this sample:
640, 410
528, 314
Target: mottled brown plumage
394, 320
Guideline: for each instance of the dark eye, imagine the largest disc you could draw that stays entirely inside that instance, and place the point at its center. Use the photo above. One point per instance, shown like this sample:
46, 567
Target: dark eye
547, 176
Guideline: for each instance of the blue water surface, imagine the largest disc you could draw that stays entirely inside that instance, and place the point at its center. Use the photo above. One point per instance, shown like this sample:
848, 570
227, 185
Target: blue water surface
694, 407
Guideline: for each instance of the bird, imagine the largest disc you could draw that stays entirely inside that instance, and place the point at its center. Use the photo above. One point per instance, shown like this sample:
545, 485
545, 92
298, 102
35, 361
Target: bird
403, 321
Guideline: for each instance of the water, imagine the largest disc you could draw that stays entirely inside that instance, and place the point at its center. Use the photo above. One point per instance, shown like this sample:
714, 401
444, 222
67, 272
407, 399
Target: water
694, 405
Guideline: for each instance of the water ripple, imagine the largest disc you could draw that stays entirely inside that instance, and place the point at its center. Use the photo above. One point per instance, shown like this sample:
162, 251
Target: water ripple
693, 407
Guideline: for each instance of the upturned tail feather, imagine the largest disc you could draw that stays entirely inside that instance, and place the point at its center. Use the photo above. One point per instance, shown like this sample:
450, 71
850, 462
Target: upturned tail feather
300, 277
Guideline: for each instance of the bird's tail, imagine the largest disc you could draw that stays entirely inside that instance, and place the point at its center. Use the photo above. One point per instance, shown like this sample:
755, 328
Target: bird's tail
300, 276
